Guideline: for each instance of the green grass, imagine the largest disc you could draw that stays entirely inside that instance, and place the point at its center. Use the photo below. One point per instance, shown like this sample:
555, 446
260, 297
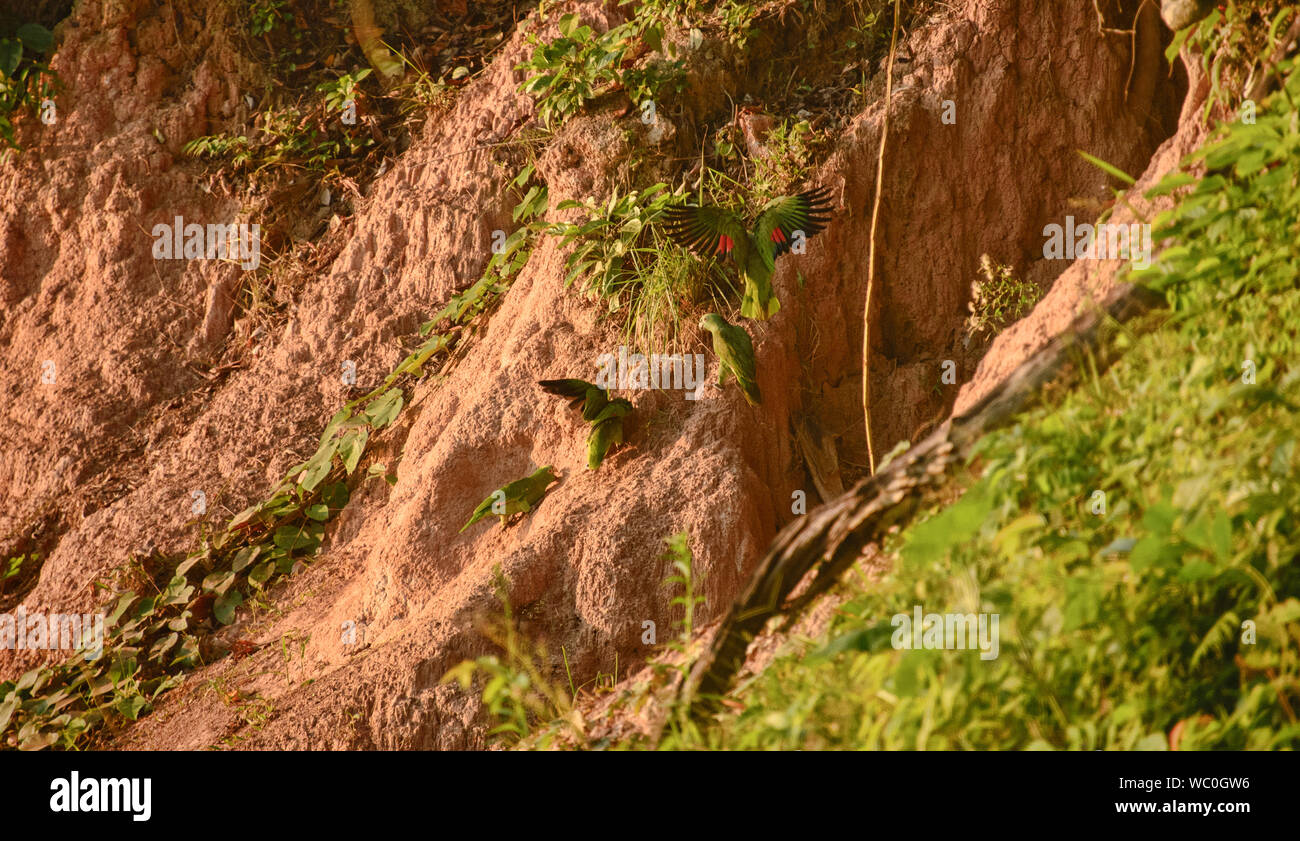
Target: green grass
290, 137
621, 257
1175, 603
514, 687
998, 298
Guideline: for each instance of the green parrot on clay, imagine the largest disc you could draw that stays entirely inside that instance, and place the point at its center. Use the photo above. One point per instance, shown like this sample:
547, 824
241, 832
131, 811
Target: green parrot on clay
735, 354
521, 495
606, 431
590, 398
605, 416
782, 223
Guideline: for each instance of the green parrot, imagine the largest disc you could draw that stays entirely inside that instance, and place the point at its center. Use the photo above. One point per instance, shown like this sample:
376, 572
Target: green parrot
735, 354
582, 394
712, 230
516, 496
606, 431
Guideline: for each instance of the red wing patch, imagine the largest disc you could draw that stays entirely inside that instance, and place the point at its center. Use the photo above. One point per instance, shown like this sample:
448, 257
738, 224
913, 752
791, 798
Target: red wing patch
692, 227
778, 235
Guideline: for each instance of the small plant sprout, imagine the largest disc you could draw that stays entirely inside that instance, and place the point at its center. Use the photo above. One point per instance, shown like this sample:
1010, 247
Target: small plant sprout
679, 552
998, 298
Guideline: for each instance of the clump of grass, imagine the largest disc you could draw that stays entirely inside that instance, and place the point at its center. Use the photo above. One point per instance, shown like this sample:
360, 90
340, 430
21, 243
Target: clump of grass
420, 94
622, 259
679, 552
514, 687
997, 298
787, 160
784, 164
289, 137
733, 19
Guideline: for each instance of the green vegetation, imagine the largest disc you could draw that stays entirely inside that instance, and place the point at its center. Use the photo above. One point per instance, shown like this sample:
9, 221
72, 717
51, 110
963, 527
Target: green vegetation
323, 114
654, 288
658, 289
25, 80
1232, 40
515, 690
732, 18
998, 299
526, 707
624, 259
579, 65
152, 633
1135, 534
679, 552
266, 15
11, 568
419, 93
289, 137
322, 129
787, 161
342, 91
784, 164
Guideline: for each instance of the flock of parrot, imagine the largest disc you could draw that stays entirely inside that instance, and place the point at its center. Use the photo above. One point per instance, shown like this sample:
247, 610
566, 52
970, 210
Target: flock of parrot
711, 231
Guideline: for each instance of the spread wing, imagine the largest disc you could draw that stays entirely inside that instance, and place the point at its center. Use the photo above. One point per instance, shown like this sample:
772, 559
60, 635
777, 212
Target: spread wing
809, 212
583, 395
705, 230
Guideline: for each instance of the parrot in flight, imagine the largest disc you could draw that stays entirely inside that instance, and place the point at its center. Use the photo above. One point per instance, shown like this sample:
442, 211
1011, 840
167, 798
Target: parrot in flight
606, 431
735, 354
582, 394
514, 497
712, 230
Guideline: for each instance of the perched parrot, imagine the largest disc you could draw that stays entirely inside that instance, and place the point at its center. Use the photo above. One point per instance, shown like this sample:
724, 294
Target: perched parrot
519, 495
735, 354
712, 230
606, 431
582, 395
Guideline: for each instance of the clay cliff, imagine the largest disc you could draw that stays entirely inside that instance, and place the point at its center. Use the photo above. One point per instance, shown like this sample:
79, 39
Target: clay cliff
168, 383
